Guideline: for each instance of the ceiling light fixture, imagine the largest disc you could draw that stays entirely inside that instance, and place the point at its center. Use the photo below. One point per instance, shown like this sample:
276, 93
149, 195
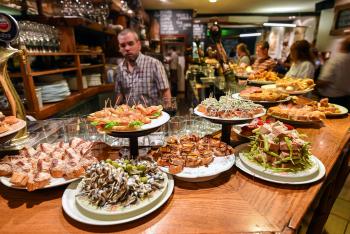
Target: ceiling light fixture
279, 25
249, 35
212, 1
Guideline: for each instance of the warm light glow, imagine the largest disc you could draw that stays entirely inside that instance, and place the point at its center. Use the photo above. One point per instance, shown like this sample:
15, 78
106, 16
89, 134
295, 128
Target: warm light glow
212, 0
130, 12
249, 34
279, 25
285, 9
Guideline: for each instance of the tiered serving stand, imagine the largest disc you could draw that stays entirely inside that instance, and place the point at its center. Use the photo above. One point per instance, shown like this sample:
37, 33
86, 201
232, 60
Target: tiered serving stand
227, 123
143, 131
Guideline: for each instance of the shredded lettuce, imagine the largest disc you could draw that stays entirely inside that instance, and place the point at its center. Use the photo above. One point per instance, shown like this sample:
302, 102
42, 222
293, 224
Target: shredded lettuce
94, 123
156, 114
111, 124
136, 123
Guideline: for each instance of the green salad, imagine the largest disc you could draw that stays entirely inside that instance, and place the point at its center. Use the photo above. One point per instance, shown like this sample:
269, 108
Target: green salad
281, 150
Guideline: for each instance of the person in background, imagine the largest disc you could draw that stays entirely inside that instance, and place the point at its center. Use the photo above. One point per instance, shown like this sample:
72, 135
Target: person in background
302, 60
263, 61
334, 80
233, 53
173, 65
243, 55
139, 78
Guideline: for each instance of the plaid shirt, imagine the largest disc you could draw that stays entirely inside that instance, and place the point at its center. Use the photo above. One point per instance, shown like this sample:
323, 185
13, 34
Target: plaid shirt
267, 64
146, 80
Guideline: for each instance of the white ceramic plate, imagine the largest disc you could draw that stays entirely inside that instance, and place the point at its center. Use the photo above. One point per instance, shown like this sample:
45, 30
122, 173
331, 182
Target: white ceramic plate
343, 110
85, 205
280, 180
54, 182
238, 96
300, 175
205, 173
273, 86
72, 210
233, 120
261, 82
155, 123
14, 128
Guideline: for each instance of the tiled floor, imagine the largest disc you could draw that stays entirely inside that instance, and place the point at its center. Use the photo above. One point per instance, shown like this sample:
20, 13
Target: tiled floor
339, 220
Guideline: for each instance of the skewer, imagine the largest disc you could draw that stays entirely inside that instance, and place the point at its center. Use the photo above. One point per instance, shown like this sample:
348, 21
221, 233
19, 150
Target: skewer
127, 100
116, 102
133, 99
105, 104
144, 100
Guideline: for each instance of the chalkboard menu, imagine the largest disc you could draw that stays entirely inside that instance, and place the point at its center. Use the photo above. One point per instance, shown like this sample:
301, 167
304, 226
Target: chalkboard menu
175, 22
343, 20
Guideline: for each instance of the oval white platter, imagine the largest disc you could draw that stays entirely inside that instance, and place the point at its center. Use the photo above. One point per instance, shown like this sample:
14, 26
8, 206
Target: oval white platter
281, 178
232, 120
54, 182
14, 128
343, 110
319, 175
205, 173
238, 96
261, 82
72, 210
85, 205
300, 175
155, 123
273, 86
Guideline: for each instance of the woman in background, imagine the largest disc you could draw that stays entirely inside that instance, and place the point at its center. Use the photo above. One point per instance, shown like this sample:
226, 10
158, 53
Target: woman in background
302, 60
243, 55
334, 80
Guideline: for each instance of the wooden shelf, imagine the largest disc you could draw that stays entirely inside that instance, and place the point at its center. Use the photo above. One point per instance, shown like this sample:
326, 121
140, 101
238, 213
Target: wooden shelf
15, 75
72, 22
50, 54
63, 53
54, 71
53, 108
90, 53
92, 66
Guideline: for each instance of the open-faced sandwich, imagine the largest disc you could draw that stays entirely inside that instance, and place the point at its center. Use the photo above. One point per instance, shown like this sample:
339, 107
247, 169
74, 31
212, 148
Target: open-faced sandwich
297, 112
190, 151
295, 84
124, 117
229, 108
35, 168
259, 94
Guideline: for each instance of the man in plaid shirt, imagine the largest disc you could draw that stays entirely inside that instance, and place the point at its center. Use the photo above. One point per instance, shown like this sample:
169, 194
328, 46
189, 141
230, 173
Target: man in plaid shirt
139, 78
263, 61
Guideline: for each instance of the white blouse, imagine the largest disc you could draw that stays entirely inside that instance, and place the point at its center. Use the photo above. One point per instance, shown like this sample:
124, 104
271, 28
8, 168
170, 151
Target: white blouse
303, 69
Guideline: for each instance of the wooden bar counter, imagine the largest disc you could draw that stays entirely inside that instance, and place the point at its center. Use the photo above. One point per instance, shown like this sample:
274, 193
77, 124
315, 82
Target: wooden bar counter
233, 202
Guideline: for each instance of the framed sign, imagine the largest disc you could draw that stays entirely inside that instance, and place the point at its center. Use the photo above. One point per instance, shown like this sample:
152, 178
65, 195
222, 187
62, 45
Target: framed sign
341, 22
